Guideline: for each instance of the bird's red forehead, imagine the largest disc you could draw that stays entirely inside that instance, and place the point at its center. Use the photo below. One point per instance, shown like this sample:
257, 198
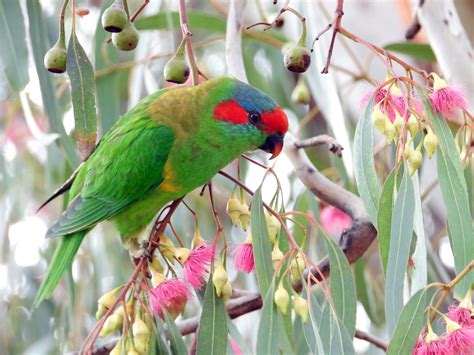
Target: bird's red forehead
272, 122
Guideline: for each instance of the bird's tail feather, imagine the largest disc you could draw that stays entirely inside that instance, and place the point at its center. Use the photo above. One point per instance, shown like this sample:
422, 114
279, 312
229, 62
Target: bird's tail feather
62, 260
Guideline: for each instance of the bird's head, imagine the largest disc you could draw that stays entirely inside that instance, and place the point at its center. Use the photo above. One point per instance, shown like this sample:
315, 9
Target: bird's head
242, 104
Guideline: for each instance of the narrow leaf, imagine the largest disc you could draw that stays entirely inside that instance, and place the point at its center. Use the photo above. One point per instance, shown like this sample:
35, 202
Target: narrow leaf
365, 174
81, 76
455, 195
262, 248
14, 53
176, 340
336, 338
312, 328
343, 292
420, 51
409, 325
272, 338
400, 239
212, 335
40, 45
384, 218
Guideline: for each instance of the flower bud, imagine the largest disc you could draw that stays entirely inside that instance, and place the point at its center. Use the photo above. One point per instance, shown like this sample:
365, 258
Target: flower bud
282, 299
297, 58
301, 94
156, 277
273, 227
398, 124
379, 119
112, 323
244, 216
117, 350
226, 292
412, 125
182, 254
415, 159
451, 326
389, 131
106, 301
438, 83
127, 39
197, 239
300, 307
156, 263
141, 336
277, 255
55, 59
297, 266
430, 143
114, 18
166, 247
130, 348
233, 208
407, 150
219, 279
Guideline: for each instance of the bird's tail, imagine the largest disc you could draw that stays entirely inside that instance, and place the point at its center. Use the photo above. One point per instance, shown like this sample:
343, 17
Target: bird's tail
62, 260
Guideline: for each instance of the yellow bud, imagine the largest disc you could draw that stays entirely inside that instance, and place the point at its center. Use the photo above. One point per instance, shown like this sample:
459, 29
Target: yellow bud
233, 208
407, 151
111, 324
390, 131
438, 83
108, 299
219, 279
244, 216
297, 266
466, 302
415, 159
197, 239
379, 119
156, 277
301, 94
301, 307
226, 291
412, 125
277, 255
395, 90
117, 350
101, 310
431, 336
141, 336
273, 226
451, 325
430, 143
398, 124
282, 299
156, 264
167, 247
182, 254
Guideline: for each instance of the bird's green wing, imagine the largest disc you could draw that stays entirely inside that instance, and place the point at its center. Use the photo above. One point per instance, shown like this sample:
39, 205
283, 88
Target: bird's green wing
126, 166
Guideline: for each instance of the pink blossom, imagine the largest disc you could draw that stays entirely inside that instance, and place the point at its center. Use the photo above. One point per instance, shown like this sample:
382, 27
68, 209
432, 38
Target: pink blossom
434, 347
334, 221
196, 267
461, 315
460, 341
388, 102
170, 295
448, 101
243, 257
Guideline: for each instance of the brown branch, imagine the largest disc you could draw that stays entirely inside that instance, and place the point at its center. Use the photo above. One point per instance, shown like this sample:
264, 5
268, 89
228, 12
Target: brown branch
371, 339
140, 9
337, 25
183, 19
334, 146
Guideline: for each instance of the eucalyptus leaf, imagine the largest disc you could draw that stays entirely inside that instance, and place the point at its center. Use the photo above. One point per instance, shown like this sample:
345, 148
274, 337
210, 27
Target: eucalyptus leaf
178, 346
384, 218
420, 51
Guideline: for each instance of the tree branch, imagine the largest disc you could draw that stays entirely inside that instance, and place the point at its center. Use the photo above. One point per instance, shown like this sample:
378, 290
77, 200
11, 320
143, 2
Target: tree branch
334, 146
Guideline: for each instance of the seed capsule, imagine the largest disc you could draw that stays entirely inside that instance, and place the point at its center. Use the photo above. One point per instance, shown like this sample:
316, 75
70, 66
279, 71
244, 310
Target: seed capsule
127, 39
297, 58
301, 94
114, 18
55, 59
177, 70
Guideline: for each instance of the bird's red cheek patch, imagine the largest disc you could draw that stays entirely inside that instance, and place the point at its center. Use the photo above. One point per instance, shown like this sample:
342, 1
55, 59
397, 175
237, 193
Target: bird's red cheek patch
275, 121
231, 111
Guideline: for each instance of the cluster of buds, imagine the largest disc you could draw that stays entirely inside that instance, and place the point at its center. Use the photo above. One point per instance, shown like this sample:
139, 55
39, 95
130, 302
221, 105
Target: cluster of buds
238, 210
221, 283
137, 344
282, 301
116, 20
459, 335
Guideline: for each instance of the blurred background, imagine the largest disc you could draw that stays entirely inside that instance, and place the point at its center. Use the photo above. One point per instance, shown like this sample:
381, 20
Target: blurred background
37, 152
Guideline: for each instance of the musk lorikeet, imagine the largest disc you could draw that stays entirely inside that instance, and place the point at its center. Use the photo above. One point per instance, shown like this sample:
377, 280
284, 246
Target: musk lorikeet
170, 143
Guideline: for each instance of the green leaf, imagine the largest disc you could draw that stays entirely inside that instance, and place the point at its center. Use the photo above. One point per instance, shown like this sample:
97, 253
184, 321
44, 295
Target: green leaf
305, 203
416, 50
201, 21
212, 335
40, 45
335, 337
342, 286
364, 166
400, 240
14, 53
384, 218
311, 329
409, 325
176, 340
419, 276
81, 75
237, 337
364, 291
455, 195
158, 340
108, 100
272, 337
262, 248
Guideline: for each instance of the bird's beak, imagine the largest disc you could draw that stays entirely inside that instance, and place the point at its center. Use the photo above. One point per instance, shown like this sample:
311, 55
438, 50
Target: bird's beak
273, 144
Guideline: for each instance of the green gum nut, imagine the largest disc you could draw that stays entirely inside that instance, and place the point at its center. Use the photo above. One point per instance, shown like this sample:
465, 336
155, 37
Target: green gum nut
114, 18
127, 40
296, 58
177, 70
55, 59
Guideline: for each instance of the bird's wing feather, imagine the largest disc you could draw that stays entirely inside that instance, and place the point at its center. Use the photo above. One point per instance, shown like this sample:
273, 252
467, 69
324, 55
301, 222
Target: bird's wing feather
125, 167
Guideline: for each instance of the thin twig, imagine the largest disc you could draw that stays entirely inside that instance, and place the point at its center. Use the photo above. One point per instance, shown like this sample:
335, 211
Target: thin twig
140, 9
183, 19
371, 339
334, 146
337, 25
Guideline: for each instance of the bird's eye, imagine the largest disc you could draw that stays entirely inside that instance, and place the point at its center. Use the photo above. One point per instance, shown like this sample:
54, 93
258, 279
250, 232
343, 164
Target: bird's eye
254, 117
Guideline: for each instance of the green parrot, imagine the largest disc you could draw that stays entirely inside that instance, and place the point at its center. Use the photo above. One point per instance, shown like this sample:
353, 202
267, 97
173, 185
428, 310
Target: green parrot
170, 143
